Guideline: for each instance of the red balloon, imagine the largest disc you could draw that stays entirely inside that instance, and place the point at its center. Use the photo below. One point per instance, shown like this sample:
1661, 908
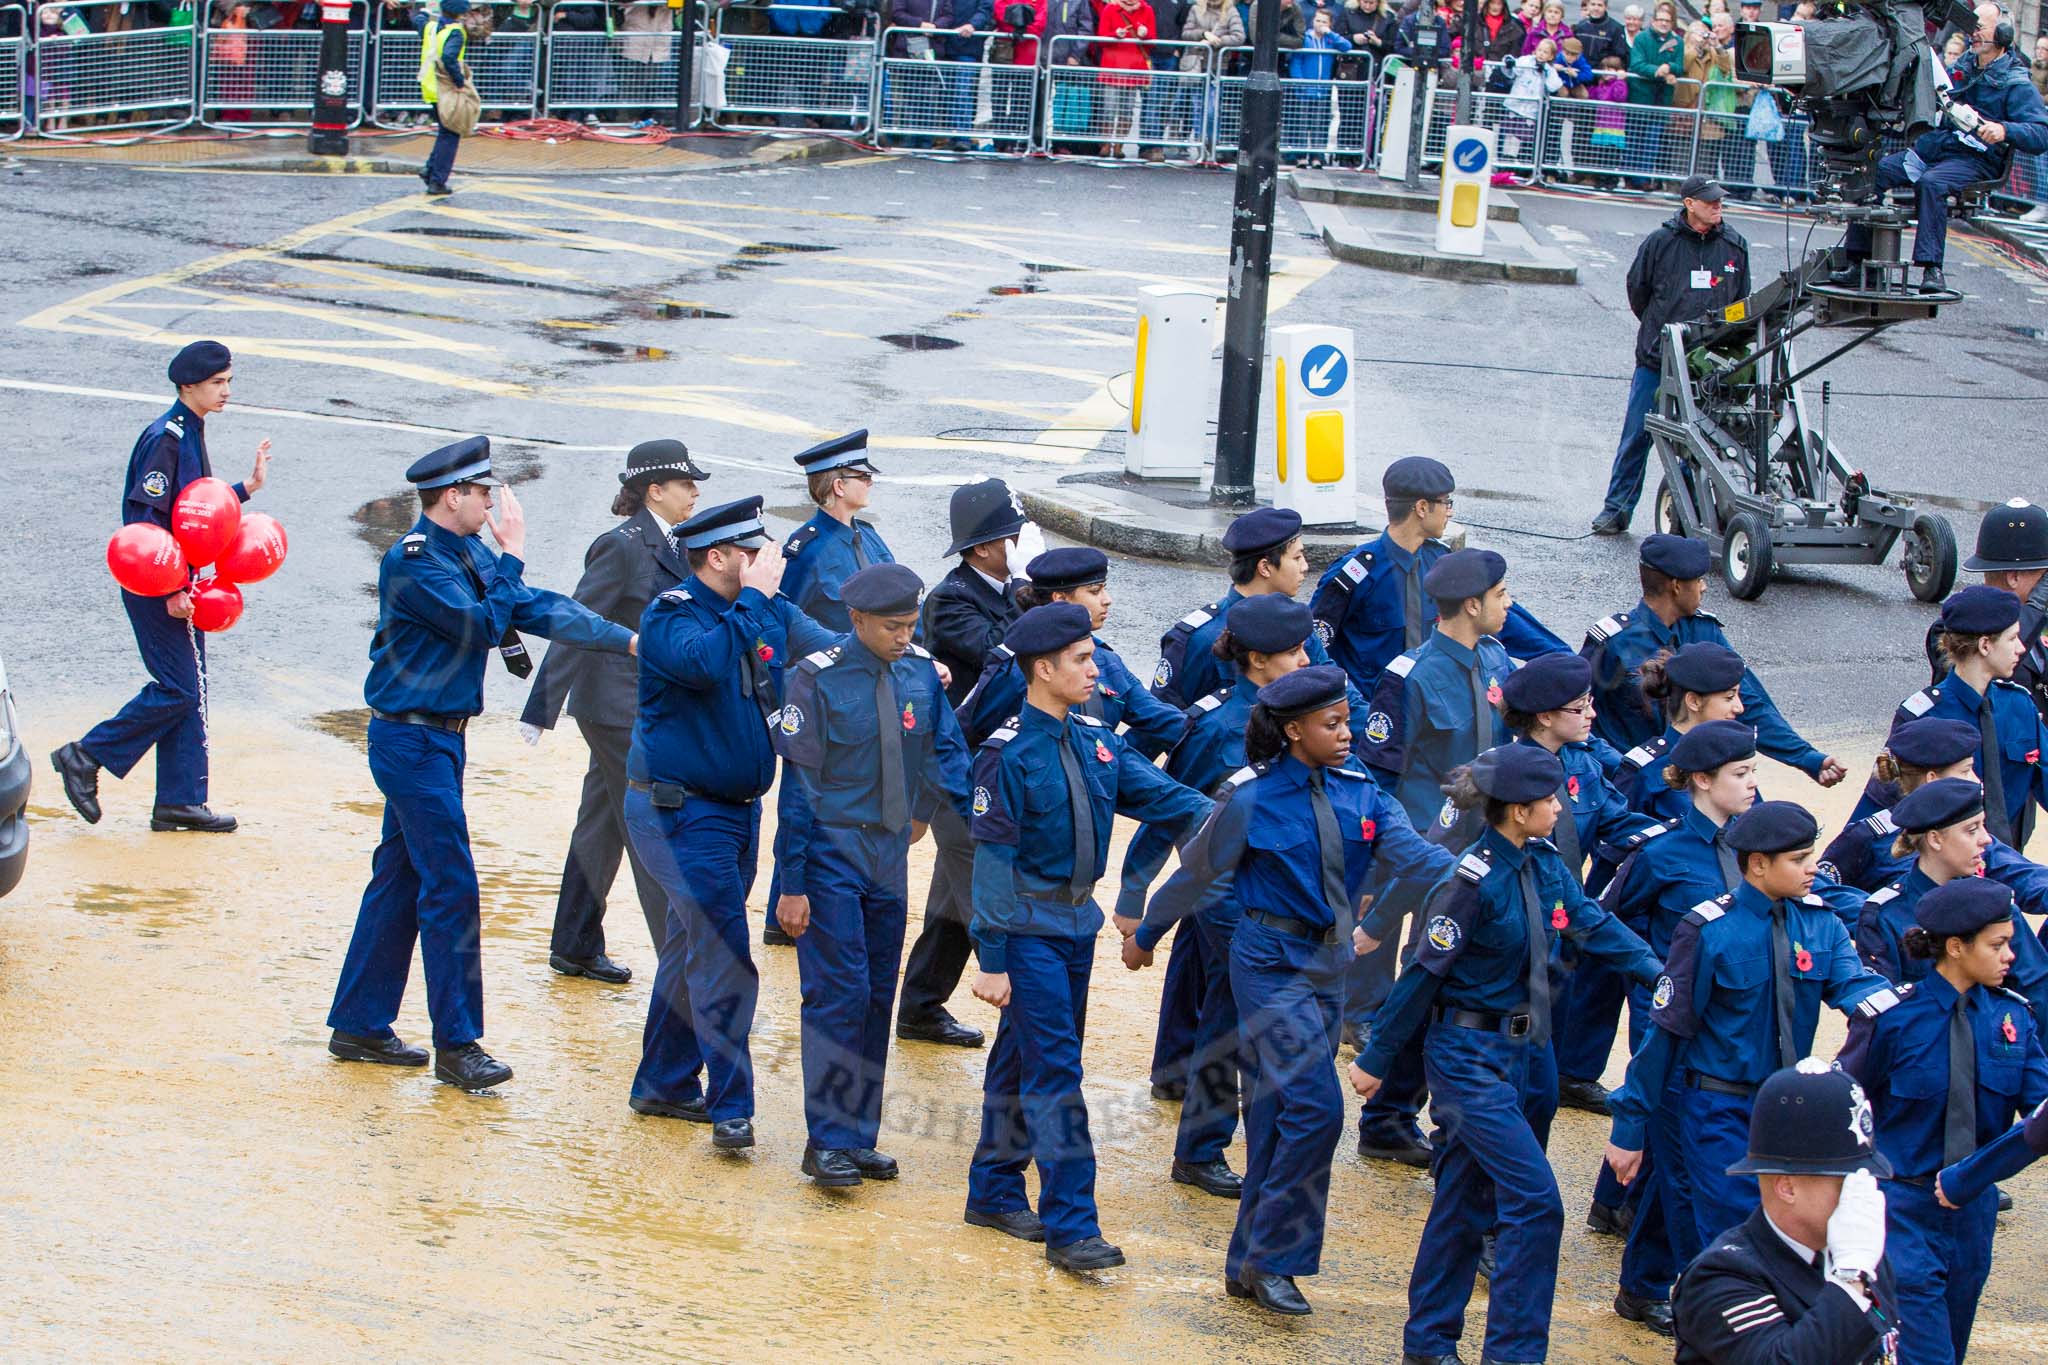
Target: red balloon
257, 551
216, 605
205, 518
145, 559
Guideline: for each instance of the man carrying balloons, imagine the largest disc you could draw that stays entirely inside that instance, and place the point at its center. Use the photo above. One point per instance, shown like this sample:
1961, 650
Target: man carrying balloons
164, 535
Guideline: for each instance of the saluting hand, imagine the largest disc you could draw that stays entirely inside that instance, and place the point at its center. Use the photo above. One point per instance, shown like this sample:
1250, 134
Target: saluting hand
508, 523
992, 988
261, 474
1362, 1081
764, 571
1625, 1164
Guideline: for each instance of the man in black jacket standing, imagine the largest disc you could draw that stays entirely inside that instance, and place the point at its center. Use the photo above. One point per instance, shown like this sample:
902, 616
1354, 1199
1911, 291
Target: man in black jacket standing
964, 618
1601, 33
1686, 269
623, 570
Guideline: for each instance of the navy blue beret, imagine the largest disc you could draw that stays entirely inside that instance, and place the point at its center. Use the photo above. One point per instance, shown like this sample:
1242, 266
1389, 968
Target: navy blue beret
1546, 683
841, 452
882, 590
1980, 610
1464, 573
1269, 623
1963, 906
1711, 744
729, 523
1932, 742
1262, 528
466, 461
1938, 804
1418, 476
1073, 566
1304, 690
1517, 773
1677, 557
1773, 827
1704, 668
1047, 629
198, 362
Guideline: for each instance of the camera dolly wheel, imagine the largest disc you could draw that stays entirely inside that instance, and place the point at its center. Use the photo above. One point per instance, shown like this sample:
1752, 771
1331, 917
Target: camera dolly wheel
1746, 556
1929, 557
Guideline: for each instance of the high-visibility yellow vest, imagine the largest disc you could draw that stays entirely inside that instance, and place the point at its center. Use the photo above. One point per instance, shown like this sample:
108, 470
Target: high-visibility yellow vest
432, 39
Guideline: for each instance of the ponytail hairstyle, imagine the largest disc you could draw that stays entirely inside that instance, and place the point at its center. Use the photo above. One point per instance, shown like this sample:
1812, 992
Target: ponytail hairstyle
1929, 947
1958, 646
1030, 595
1264, 735
1665, 697
1230, 649
1905, 776
1909, 843
1464, 794
629, 499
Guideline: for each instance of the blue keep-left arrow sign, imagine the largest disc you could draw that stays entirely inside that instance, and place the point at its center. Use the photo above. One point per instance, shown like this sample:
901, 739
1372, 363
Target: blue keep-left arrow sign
1324, 370
1469, 156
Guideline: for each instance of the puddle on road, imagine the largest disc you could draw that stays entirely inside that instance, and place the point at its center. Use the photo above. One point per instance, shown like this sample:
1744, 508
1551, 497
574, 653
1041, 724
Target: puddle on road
147, 907
475, 234
1004, 291
919, 341
778, 248
668, 309
351, 725
444, 272
618, 349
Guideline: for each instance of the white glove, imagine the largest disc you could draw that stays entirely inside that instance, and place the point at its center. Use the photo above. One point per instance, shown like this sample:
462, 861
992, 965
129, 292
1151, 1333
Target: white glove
1856, 1228
530, 733
1030, 545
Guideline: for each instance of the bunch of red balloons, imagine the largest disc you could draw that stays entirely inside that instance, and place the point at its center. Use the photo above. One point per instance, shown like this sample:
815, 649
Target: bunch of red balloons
207, 527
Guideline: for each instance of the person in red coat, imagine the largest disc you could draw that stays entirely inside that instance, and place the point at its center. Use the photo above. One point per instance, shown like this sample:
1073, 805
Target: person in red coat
1131, 25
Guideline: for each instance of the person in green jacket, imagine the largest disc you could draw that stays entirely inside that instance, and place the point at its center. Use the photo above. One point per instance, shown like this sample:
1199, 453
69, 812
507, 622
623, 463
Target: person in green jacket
1656, 63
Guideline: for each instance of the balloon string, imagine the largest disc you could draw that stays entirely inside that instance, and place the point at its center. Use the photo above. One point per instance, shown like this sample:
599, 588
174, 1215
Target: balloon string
199, 667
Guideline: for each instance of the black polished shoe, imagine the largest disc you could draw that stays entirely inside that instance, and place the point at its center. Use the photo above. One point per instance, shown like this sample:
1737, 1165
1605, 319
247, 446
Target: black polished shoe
195, 819
437, 188
390, 1050
1090, 1253
1347, 1036
1932, 281
1022, 1224
81, 781
1573, 1093
1210, 1177
1409, 1151
689, 1111
1608, 524
944, 1029
469, 1068
1609, 1221
1486, 1258
1410, 1358
1274, 1293
2004, 1201
831, 1168
1654, 1314
873, 1165
730, 1135
773, 937
1849, 276
1172, 1092
599, 968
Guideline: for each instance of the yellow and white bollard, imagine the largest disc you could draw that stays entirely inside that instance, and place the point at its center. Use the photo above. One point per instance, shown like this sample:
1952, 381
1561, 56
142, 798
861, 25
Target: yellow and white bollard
1170, 396
1313, 413
1468, 176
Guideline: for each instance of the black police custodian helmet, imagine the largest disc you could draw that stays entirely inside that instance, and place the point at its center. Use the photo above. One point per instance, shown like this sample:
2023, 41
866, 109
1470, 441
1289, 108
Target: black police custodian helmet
2014, 536
1812, 1119
982, 512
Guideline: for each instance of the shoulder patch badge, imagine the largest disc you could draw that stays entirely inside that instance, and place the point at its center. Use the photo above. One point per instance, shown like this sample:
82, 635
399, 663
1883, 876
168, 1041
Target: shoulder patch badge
1920, 702
155, 484
1163, 674
1354, 568
1444, 932
1473, 867
1661, 997
415, 544
981, 800
1379, 727
1448, 816
792, 719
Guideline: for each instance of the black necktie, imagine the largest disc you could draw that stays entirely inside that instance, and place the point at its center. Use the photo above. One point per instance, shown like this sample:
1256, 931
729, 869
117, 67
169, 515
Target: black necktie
1413, 625
1083, 810
860, 554
1482, 710
1996, 813
895, 806
1567, 834
1959, 1127
511, 648
1331, 842
1781, 984
1539, 955
1731, 873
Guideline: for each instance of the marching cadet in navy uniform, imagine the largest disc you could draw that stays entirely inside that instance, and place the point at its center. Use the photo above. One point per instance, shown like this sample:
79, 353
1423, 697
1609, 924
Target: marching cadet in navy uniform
1947, 1071
623, 570
1690, 686
1804, 1278
165, 714
711, 682
1740, 997
965, 616
2012, 553
1063, 776
1674, 579
1480, 986
1369, 606
1916, 753
1980, 635
1437, 707
866, 730
823, 553
446, 600
1266, 556
1283, 859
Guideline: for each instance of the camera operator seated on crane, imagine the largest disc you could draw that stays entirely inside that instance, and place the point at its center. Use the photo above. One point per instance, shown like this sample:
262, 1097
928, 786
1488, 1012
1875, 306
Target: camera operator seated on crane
1995, 100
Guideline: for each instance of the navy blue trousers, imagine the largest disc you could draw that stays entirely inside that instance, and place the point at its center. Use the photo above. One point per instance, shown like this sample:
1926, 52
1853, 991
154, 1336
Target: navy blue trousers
1664, 1236
164, 715
1713, 1134
1930, 231
1632, 454
847, 962
1493, 1098
1289, 995
1208, 1116
1941, 1258
1031, 1104
441, 160
701, 1010
1180, 1006
422, 886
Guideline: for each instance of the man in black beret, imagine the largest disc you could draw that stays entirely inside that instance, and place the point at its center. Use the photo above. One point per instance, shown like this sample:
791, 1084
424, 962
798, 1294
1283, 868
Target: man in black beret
166, 714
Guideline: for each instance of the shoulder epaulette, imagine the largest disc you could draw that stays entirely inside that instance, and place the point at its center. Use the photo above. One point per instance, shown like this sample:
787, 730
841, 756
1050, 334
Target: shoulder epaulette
1640, 756
1003, 733
1474, 866
1352, 773
2007, 682
1707, 911
628, 529
1881, 823
1086, 719
1708, 616
676, 595
798, 539
1246, 774
1919, 703
1813, 899
1204, 705
1402, 666
2012, 995
1641, 837
416, 543
1878, 1001
1604, 628
1199, 617
176, 427
1003, 652
1545, 843
823, 658
1356, 567
1884, 895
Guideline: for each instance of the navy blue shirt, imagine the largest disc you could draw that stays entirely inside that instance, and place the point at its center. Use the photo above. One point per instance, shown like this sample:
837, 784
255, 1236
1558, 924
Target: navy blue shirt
1118, 699
444, 602
1893, 908
1667, 870
1210, 750
821, 559
710, 686
170, 453
1188, 667
2021, 736
1021, 884
1422, 724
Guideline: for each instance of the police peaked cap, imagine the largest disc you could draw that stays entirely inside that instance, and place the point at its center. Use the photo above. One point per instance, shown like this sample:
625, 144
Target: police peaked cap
653, 461
1418, 476
1517, 773
1963, 906
729, 523
1676, 557
882, 590
1262, 528
1938, 804
1711, 744
197, 362
1464, 573
2014, 536
1547, 683
465, 461
1773, 827
1304, 690
848, 452
1067, 568
1048, 629
1979, 610
1812, 1119
1269, 623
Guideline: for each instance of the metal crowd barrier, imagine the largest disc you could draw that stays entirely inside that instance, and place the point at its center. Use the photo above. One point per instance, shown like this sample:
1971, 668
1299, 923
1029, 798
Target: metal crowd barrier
505, 67
1332, 118
2028, 182
786, 78
13, 72
1090, 106
251, 77
922, 95
130, 78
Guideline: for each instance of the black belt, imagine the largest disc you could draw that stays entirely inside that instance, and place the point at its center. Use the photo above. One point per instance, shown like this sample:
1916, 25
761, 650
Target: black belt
454, 725
1512, 1025
1293, 928
670, 795
1715, 1085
